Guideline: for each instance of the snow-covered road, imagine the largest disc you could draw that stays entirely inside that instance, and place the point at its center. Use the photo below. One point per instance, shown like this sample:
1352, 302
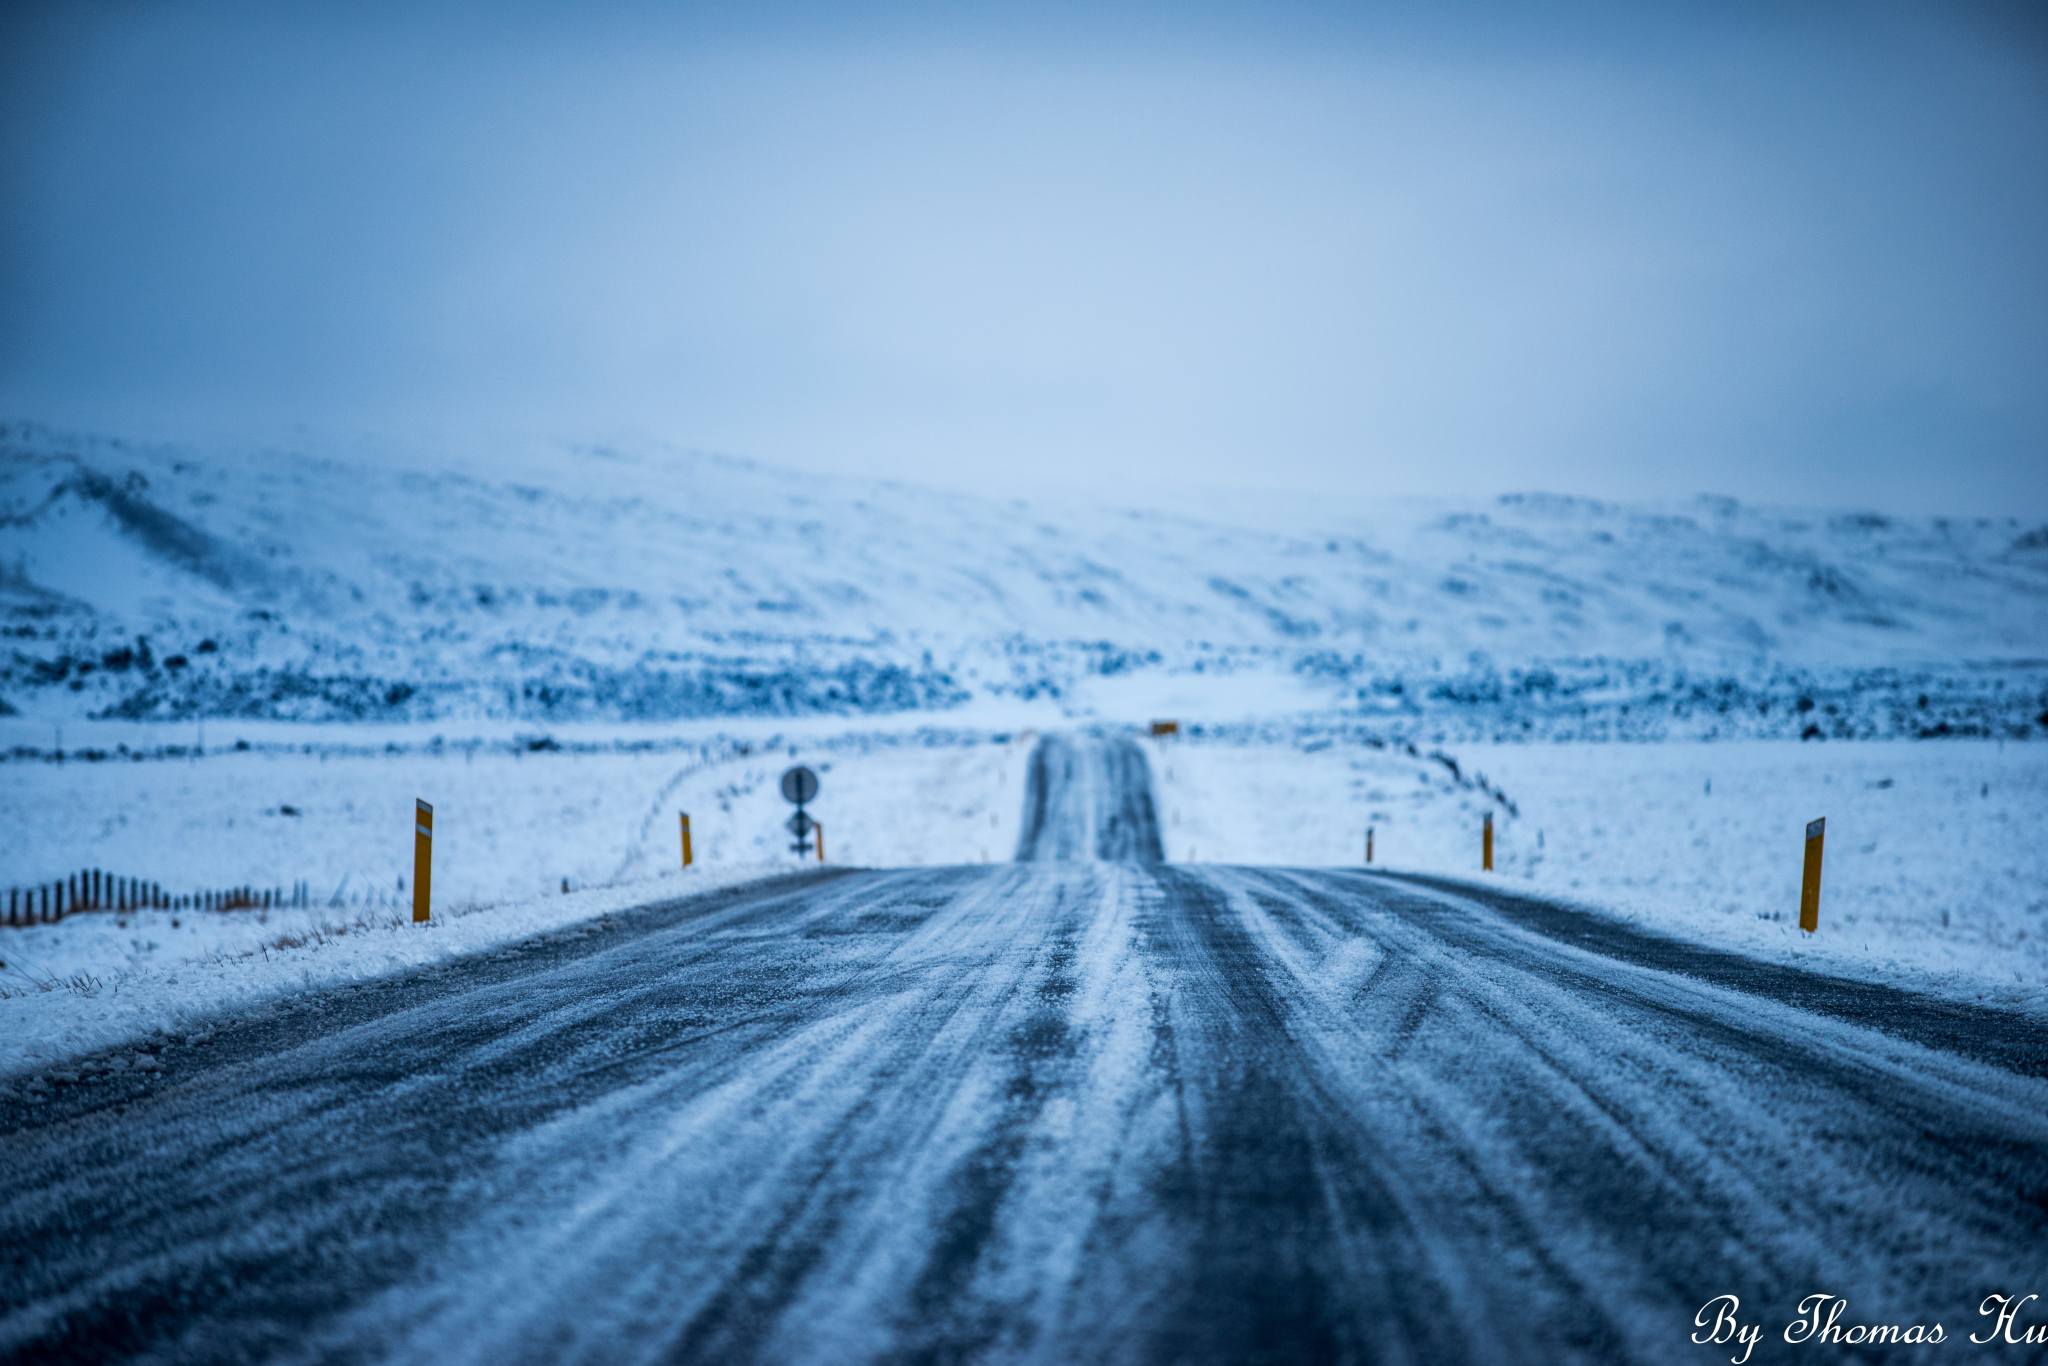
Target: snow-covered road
1056, 1111
1088, 798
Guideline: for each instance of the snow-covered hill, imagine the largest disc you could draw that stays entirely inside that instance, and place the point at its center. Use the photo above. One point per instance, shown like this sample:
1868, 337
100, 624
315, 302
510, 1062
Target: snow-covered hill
642, 582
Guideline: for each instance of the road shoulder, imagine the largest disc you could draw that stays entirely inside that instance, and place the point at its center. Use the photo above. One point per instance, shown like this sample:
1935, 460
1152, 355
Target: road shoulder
2005, 1039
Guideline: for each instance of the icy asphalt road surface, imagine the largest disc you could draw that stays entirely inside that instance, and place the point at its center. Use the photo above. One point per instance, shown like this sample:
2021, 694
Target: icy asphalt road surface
1057, 1111
1088, 799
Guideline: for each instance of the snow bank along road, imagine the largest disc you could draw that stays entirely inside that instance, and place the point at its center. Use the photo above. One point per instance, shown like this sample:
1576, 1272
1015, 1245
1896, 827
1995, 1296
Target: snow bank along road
1053, 1110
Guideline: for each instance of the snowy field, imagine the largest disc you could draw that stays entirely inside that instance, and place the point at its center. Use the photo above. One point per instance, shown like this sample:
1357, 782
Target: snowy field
514, 828
1936, 869
511, 820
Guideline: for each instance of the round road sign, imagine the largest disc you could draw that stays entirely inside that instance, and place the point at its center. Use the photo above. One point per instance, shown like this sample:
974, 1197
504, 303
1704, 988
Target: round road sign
799, 785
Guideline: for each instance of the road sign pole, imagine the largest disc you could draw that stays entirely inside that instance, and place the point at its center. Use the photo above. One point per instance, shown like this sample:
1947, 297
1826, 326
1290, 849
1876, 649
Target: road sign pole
800, 785
801, 825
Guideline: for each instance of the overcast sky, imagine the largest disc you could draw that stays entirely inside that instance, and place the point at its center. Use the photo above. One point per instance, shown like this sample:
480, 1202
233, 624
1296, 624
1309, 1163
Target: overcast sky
1788, 253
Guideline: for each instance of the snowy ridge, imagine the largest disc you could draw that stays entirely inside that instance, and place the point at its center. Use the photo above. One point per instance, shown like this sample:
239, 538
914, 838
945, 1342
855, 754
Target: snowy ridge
644, 583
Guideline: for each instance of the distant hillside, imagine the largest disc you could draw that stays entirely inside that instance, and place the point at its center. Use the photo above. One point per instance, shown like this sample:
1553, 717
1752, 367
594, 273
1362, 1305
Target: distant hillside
152, 581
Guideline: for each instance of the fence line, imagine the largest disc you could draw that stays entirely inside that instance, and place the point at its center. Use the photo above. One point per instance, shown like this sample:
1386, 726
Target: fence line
96, 889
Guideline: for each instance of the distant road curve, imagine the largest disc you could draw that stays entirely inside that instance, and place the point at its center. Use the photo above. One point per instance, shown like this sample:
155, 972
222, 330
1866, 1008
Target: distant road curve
1055, 1111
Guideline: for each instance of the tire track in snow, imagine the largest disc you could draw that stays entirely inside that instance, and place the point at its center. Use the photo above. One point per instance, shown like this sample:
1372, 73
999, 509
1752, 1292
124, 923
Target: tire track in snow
1659, 1136
850, 1184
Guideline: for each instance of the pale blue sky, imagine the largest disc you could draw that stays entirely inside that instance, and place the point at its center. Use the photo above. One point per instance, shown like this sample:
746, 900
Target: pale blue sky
1791, 254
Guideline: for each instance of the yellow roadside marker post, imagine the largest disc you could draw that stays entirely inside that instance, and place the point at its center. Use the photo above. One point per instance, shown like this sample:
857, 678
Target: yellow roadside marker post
1368, 844
1486, 844
422, 861
1809, 883
686, 838
819, 827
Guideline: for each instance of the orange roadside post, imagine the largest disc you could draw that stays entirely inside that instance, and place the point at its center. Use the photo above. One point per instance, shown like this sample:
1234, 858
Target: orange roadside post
686, 838
1486, 844
422, 860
